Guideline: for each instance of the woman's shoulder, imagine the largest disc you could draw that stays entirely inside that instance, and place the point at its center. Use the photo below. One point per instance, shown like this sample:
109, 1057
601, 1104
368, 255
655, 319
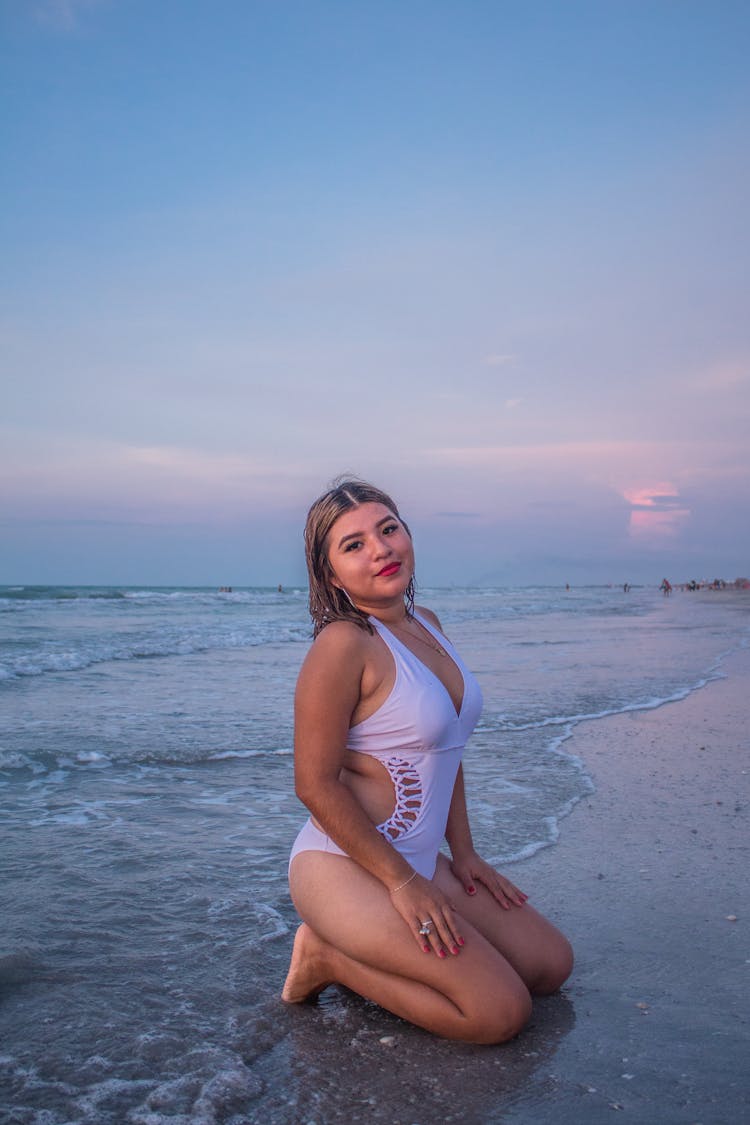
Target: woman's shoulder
342, 631
330, 679
429, 615
340, 641
335, 663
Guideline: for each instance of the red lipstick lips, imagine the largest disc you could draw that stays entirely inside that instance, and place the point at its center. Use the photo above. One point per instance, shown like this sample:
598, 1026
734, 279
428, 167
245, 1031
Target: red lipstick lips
391, 568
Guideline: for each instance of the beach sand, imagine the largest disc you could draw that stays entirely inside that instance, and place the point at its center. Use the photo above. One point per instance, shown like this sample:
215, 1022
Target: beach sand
650, 880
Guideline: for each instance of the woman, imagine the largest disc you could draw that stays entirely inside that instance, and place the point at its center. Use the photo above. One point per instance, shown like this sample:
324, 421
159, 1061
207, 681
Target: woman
383, 708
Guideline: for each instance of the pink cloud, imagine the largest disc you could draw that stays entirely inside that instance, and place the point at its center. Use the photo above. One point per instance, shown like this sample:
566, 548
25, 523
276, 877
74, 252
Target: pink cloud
653, 496
657, 512
657, 525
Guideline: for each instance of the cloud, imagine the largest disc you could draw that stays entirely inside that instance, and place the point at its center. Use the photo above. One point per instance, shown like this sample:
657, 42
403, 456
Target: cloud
157, 481
597, 454
661, 496
64, 15
498, 360
628, 467
657, 513
656, 526
726, 376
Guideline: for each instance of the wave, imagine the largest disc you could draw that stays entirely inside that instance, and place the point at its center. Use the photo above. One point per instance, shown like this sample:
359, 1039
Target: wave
13, 762
59, 593
649, 704
18, 596
70, 658
225, 755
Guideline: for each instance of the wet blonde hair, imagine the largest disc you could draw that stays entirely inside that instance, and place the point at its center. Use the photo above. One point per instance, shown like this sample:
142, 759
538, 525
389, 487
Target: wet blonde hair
329, 602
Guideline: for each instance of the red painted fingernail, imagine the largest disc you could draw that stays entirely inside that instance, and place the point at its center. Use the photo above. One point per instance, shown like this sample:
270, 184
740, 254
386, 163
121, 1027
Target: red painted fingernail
425, 949
441, 953
461, 941
454, 950
472, 890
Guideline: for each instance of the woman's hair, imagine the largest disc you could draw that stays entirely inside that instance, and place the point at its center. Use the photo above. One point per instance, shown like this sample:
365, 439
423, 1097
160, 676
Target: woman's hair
327, 601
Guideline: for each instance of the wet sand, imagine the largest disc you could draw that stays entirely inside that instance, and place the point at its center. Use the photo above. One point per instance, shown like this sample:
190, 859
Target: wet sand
650, 881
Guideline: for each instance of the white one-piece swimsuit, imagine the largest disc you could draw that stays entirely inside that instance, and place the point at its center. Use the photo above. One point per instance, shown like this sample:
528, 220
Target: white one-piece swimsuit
419, 737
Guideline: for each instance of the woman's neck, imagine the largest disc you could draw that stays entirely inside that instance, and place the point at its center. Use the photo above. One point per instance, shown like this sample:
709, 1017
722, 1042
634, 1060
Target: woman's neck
392, 613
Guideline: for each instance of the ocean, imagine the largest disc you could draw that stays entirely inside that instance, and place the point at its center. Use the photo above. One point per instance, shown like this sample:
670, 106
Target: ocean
148, 808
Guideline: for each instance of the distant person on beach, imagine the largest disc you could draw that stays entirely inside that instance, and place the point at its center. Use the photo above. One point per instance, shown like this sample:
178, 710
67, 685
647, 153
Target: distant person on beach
383, 708
666, 587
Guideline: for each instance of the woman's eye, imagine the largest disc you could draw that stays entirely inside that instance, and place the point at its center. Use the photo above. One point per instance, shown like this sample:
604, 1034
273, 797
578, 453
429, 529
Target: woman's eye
390, 528
353, 545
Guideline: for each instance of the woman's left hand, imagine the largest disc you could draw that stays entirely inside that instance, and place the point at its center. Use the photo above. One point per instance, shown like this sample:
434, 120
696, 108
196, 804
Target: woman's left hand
472, 869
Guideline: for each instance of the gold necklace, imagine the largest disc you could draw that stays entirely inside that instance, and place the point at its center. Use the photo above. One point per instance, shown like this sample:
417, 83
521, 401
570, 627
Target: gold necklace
431, 643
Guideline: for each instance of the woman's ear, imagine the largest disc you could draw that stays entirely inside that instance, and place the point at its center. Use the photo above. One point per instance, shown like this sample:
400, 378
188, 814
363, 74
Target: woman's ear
332, 577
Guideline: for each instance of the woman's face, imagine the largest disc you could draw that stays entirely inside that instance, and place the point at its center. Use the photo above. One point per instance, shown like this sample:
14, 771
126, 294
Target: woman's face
371, 555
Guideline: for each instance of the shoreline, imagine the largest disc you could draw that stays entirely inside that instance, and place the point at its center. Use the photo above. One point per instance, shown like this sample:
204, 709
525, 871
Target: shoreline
644, 878
655, 863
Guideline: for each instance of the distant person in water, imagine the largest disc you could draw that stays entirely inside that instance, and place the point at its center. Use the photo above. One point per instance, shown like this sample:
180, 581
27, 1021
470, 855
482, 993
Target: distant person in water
666, 587
383, 708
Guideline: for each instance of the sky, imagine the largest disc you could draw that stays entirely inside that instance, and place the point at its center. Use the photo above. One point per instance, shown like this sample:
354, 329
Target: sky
491, 256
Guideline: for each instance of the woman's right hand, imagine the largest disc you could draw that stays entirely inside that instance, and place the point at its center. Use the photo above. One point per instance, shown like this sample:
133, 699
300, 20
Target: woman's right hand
420, 901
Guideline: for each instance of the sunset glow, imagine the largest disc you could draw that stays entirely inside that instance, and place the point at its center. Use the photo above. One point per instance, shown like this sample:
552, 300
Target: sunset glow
520, 305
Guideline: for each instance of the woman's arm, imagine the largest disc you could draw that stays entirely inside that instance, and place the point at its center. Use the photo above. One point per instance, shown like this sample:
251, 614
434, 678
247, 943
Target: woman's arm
467, 866
458, 832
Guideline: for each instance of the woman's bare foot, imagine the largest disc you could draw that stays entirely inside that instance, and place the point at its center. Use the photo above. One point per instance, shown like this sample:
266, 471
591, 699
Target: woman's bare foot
308, 974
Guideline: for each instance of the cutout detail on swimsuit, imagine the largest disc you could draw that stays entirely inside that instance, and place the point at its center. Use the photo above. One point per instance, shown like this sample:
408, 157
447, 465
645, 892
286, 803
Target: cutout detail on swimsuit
407, 786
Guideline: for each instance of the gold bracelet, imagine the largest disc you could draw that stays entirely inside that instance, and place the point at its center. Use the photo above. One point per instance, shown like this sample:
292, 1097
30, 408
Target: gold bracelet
401, 886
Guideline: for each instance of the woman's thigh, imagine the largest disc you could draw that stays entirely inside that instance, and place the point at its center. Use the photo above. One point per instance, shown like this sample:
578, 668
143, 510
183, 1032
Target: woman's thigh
536, 949
352, 911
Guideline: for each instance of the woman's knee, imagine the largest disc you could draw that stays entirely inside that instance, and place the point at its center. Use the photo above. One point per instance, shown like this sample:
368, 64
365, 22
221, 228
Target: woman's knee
498, 1017
555, 968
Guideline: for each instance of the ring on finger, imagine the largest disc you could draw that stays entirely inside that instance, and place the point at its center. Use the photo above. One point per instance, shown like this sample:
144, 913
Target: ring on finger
426, 928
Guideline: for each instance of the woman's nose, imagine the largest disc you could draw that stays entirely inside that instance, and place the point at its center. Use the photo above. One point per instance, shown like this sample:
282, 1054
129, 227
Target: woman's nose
381, 548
